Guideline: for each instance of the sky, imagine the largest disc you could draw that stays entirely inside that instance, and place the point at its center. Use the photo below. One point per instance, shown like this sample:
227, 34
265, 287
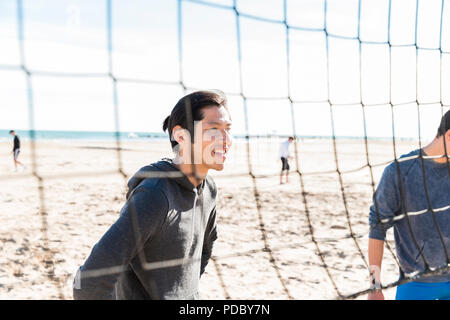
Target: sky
71, 36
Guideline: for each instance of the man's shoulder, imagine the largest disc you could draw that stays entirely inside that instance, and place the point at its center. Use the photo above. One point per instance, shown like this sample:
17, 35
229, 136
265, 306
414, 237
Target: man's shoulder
154, 190
404, 163
155, 181
148, 178
410, 156
151, 185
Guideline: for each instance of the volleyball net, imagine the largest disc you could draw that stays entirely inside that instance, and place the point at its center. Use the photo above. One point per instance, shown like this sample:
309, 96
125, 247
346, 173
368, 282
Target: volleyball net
393, 51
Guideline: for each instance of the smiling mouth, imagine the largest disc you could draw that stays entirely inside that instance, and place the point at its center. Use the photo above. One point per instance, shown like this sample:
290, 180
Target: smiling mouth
220, 153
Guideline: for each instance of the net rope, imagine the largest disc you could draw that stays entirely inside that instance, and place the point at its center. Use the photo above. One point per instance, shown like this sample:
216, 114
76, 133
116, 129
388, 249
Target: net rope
47, 256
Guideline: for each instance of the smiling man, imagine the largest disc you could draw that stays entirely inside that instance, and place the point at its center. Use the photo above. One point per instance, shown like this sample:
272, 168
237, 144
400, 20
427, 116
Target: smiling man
161, 243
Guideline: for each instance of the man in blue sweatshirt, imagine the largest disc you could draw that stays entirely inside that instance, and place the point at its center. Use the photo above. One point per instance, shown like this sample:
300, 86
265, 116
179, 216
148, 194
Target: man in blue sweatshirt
162, 241
417, 181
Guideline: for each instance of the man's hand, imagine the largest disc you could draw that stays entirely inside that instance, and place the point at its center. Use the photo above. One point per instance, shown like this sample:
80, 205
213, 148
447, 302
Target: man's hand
375, 295
375, 258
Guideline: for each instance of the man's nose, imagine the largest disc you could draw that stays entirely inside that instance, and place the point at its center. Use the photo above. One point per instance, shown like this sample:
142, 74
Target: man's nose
228, 141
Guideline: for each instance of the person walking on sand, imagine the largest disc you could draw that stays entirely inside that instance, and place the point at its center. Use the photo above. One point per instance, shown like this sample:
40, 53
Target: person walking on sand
285, 154
161, 243
422, 241
16, 150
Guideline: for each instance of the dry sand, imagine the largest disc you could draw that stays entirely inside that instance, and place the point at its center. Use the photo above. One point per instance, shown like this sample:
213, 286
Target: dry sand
47, 233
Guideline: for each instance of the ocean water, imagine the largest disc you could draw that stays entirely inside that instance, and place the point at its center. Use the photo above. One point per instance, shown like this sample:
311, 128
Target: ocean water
81, 135
50, 135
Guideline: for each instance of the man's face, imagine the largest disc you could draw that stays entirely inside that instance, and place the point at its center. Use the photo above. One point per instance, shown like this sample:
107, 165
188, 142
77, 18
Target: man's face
213, 138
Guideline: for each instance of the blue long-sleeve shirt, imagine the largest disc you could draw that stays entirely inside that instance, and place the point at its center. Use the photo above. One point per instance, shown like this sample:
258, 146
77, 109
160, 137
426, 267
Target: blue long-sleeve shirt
388, 200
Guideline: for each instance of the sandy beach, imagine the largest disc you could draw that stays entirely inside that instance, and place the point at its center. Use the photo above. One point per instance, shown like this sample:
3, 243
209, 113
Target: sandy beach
51, 220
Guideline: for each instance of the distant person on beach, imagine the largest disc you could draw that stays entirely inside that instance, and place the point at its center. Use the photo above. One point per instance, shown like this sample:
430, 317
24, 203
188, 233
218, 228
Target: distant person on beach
16, 150
285, 154
422, 240
161, 243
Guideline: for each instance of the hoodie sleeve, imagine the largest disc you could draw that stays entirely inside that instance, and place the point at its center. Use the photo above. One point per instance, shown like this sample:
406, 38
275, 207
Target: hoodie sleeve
210, 237
386, 203
140, 218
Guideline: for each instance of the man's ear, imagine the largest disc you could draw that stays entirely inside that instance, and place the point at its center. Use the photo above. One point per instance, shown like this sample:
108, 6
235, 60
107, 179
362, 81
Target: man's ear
178, 134
181, 135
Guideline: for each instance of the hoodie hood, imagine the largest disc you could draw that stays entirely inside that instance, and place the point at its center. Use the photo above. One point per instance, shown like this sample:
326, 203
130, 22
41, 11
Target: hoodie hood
164, 168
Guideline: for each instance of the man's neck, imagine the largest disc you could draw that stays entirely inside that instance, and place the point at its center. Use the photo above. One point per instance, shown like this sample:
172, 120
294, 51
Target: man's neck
194, 172
436, 148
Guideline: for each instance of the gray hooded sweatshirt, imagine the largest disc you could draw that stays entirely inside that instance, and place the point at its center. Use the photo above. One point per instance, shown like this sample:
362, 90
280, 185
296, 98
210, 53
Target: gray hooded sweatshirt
164, 220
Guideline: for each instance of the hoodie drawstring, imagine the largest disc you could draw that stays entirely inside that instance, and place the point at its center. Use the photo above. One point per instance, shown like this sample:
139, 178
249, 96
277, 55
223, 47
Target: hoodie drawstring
192, 226
193, 215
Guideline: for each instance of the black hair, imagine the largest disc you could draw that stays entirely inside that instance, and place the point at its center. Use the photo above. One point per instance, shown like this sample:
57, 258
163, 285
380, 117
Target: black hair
189, 109
11, 131
445, 125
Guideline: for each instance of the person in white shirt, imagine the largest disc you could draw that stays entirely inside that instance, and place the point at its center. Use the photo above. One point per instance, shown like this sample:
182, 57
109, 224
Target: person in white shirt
285, 154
